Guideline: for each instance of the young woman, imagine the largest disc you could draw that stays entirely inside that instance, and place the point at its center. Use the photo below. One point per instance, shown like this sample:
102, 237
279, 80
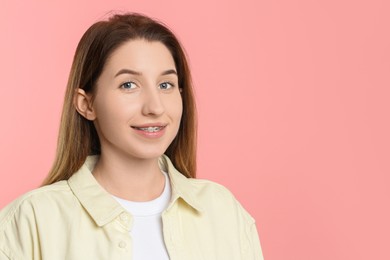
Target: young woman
123, 182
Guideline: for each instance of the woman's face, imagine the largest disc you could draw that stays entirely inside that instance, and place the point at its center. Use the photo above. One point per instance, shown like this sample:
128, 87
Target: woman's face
137, 104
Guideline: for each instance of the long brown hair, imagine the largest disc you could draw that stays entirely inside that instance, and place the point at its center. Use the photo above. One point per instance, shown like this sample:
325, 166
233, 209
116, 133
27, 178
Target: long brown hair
77, 136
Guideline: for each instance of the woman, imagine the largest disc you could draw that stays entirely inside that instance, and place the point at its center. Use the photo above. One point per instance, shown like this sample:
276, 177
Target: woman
123, 182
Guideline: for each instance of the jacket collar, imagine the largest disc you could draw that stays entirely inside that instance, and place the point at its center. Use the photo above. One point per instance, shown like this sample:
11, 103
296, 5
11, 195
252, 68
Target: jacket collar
103, 208
182, 187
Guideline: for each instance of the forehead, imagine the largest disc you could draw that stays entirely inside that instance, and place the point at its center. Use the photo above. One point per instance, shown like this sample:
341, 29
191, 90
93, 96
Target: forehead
142, 56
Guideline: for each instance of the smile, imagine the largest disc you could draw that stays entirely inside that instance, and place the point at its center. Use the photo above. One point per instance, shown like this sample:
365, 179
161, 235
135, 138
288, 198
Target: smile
150, 129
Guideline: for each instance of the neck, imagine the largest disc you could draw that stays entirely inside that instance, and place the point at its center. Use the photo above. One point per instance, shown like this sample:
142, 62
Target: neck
129, 178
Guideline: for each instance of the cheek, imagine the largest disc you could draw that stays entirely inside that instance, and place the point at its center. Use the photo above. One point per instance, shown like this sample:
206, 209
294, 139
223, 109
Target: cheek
105, 110
115, 109
175, 108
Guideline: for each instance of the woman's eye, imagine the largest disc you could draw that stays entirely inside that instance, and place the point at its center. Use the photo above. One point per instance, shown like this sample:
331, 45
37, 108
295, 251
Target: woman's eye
128, 85
166, 85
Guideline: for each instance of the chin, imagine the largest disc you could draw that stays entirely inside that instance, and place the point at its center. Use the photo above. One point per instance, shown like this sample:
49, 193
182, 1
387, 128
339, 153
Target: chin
146, 155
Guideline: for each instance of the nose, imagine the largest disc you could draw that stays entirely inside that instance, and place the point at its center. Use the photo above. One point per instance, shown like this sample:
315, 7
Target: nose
152, 105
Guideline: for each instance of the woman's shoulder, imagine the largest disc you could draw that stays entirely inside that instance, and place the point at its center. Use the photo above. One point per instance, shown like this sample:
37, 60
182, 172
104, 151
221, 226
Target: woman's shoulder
213, 196
42, 198
45, 210
205, 186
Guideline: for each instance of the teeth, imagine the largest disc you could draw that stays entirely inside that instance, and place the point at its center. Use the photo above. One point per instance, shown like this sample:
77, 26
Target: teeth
151, 128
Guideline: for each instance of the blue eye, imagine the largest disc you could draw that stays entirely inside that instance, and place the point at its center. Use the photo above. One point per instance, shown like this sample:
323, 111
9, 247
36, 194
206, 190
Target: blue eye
128, 85
166, 85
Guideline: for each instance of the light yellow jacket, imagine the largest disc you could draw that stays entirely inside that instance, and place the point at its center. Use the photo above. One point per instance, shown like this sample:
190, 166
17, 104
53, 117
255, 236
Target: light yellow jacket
78, 219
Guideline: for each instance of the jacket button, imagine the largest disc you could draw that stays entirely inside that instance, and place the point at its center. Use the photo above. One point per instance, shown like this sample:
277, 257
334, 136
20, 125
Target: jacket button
124, 217
122, 244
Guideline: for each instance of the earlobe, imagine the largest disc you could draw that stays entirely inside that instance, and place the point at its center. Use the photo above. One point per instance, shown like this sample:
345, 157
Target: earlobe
83, 104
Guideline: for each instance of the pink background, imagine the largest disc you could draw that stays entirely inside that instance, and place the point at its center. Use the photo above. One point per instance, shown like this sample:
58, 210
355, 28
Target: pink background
294, 102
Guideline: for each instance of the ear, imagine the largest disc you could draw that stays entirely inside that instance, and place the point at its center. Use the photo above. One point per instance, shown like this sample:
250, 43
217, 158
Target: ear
83, 104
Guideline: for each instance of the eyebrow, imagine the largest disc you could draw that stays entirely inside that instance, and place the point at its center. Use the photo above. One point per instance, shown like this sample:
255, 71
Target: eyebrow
137, 73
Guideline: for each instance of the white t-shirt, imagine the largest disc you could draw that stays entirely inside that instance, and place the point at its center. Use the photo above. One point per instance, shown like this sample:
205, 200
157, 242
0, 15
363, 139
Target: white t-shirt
146, 233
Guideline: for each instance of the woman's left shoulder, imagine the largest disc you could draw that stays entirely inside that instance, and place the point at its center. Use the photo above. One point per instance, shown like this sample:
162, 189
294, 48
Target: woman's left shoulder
204, 186
215, 196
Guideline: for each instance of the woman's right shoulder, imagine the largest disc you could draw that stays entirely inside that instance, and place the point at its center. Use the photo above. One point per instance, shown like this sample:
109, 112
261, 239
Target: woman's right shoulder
27, 218
35, 201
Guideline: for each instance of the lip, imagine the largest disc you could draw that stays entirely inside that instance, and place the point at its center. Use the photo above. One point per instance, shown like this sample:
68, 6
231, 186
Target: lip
152, 135
157, 124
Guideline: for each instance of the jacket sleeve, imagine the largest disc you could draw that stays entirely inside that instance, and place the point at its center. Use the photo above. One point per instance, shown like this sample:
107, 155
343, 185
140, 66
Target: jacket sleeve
256, 248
